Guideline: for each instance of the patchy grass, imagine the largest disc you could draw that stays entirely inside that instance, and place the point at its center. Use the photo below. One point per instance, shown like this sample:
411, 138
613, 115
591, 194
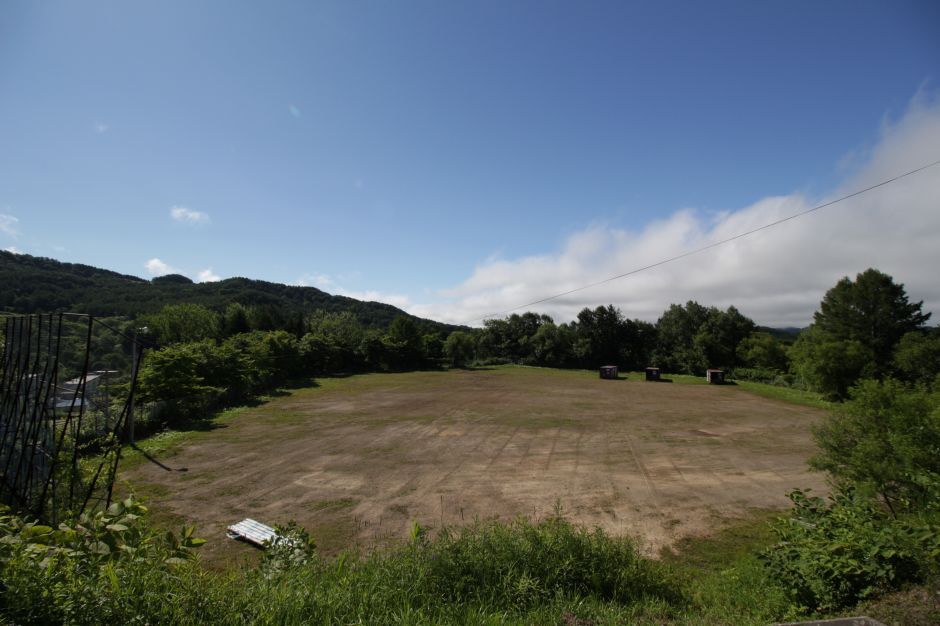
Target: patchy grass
919, 606
168, 442
341, 503
787, 394
373, 452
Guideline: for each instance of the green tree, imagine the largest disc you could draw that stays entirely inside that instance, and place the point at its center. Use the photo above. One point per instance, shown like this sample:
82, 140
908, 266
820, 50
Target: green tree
828, 364
606, 337
855, 332
509, 338
872, 310
459, 348
552, 345
235, 320
373, 351
332, 345
885, 440
917, 357
174, 372
266, 317
720, 335
764, 351
403, 343
676, 348
432, 346
181, 323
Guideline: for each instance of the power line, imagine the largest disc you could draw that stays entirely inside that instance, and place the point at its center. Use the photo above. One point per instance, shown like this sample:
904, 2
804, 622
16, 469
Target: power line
709, 246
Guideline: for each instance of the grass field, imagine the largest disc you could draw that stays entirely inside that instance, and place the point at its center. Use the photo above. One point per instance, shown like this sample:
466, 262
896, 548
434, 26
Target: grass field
355, 460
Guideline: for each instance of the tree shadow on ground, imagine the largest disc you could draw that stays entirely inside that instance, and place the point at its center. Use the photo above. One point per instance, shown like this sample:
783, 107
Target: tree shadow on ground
156, 461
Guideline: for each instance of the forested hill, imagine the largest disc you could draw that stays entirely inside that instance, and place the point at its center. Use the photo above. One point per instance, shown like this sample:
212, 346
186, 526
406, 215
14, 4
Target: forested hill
30, 284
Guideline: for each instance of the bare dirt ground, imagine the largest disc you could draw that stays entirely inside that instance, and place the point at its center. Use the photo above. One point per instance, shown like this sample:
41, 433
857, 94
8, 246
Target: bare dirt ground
356, 460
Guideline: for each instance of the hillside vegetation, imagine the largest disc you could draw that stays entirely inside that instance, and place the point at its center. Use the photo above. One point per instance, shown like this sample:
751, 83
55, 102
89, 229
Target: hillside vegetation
30, 284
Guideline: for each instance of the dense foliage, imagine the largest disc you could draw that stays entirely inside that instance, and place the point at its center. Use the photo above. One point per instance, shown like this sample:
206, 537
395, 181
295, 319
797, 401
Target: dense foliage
194, 367
834, 554
880, 529
856, 334
686, 339
884, 441
106, 567
114, 568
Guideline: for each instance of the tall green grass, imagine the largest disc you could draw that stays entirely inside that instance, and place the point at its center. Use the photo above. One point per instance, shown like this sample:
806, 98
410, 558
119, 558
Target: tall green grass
485, 573
546, 572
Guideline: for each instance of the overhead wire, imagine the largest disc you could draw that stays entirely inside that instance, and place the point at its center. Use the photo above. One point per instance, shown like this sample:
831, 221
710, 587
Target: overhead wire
707, 247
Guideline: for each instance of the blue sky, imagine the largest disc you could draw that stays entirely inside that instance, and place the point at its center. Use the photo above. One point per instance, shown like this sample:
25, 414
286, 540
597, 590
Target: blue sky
451, 157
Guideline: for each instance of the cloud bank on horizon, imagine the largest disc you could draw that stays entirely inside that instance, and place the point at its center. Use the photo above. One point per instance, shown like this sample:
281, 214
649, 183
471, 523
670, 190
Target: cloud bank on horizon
776, 276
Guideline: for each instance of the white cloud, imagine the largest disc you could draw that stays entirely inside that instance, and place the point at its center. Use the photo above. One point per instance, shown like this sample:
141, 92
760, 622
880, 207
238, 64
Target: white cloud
182, 214
208, 276
776, 276
156, 267
395, 299
320, 281
13, 249
8, 225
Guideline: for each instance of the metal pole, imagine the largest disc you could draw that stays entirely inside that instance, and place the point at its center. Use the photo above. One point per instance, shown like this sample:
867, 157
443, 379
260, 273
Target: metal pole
129, 424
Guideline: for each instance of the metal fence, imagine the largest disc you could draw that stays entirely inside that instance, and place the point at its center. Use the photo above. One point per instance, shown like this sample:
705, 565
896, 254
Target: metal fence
67, 385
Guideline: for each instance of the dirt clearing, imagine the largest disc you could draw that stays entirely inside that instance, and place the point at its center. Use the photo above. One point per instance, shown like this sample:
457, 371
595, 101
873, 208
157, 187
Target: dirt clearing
355, 460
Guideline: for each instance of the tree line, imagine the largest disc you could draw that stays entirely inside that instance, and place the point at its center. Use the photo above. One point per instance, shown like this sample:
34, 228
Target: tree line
686, 339
864, 329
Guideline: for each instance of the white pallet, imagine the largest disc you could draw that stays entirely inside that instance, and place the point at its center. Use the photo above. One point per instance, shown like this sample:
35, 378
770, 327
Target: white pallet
252, 532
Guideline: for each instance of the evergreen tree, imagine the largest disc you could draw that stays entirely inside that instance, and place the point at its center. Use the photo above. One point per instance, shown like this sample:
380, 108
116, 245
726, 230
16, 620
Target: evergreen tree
872, 310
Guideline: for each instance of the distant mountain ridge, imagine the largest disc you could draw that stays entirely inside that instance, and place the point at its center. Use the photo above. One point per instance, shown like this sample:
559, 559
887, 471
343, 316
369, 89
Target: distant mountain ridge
787, 334
31, 284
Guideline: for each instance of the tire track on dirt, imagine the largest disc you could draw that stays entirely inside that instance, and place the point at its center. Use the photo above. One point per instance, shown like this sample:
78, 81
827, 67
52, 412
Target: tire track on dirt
551, 452
762, 486
640, 466
464, 459
577, 451
413, 484
669, 457
619, 495
528, 446
499, 452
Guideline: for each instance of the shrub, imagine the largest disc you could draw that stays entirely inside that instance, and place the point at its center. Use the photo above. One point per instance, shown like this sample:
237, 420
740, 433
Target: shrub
884, 436
757, 374
521, 564
832, 555
110, 568
106, 567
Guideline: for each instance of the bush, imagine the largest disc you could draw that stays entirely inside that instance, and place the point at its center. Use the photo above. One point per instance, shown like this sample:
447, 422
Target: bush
885, 435
110, 568
521, 564
832, 555
757, 374
106, 567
